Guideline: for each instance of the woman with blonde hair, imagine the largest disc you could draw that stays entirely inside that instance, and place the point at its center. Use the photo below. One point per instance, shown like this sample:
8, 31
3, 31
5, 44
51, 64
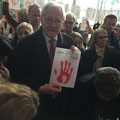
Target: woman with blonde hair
23, 29
99, 54
17, 102
78, 39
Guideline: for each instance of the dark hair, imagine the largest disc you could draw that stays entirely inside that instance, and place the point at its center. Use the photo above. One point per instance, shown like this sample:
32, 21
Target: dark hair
110, 16
23, 13
32, 6
107, 81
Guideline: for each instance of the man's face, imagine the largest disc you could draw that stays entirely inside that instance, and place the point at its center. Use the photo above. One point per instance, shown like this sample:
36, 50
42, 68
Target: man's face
52, 22
34, 16
109, 24
68, 25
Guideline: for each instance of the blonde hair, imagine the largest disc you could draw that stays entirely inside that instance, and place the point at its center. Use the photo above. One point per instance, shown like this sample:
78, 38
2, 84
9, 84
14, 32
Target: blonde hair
25, 25
94, 36
17, 102
76, 34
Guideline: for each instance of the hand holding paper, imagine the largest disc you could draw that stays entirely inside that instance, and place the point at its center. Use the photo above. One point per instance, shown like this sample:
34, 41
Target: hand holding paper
50, 89
65, 66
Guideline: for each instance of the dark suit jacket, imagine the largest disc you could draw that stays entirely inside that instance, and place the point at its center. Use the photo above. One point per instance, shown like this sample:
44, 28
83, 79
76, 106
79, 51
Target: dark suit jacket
30, 64
89, 57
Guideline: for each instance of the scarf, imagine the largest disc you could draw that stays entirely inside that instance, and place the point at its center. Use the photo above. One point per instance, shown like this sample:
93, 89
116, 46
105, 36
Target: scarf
100, 54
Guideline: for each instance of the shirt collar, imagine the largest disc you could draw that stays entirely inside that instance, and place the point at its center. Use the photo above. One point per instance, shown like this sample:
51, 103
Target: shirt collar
48, 38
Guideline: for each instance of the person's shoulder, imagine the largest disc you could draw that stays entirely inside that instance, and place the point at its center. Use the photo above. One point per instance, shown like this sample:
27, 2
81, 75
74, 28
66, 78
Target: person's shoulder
110, 49
32, 37
66, 37
89, 50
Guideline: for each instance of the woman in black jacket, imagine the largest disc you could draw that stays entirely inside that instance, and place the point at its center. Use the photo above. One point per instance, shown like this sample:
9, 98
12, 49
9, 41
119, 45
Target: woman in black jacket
100, 54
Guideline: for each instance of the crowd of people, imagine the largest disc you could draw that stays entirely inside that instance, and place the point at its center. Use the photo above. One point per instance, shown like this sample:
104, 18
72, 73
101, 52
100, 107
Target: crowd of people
26, 62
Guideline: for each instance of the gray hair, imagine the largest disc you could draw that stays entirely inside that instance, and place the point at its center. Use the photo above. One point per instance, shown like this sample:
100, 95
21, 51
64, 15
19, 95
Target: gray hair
71, 15
52, 4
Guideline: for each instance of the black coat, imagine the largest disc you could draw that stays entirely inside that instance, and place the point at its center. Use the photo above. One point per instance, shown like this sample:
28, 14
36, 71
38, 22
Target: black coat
89, 57
30, 65
83, 103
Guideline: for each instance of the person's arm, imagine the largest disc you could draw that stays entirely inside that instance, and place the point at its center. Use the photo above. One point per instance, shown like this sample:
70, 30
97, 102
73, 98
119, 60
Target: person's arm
4, 72
116, 31
90, 29
53, 88
9, 19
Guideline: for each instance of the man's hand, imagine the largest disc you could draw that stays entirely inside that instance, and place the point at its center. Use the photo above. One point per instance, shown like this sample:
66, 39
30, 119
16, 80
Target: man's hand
74, 48
50, 89
116, 30
5, 72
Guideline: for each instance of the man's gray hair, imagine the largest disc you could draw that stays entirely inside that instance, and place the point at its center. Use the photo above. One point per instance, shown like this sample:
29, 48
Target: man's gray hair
71, 15
52, 4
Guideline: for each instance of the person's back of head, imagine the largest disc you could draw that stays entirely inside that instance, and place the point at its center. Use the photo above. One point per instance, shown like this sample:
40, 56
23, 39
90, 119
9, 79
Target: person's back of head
107, 82
17, 102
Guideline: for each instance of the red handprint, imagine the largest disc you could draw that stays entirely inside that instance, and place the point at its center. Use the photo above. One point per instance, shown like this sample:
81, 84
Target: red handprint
64, 73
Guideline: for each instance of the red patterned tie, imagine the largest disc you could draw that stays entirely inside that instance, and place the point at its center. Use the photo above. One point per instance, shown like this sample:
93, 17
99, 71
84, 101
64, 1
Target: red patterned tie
52, 50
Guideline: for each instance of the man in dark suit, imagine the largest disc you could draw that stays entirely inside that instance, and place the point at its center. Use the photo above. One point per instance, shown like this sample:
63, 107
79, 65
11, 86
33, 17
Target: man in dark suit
31, 65
109, 23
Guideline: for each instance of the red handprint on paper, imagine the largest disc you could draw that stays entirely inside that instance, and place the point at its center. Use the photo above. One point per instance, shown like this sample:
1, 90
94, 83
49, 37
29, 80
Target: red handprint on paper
64, 73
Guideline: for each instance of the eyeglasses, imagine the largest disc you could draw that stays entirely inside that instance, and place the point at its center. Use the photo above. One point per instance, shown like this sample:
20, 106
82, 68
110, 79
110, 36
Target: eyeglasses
50, 20
70, 22
102, 37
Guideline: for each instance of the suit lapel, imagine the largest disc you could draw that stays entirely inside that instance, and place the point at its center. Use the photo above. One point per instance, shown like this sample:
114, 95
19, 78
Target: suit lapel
61, 42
